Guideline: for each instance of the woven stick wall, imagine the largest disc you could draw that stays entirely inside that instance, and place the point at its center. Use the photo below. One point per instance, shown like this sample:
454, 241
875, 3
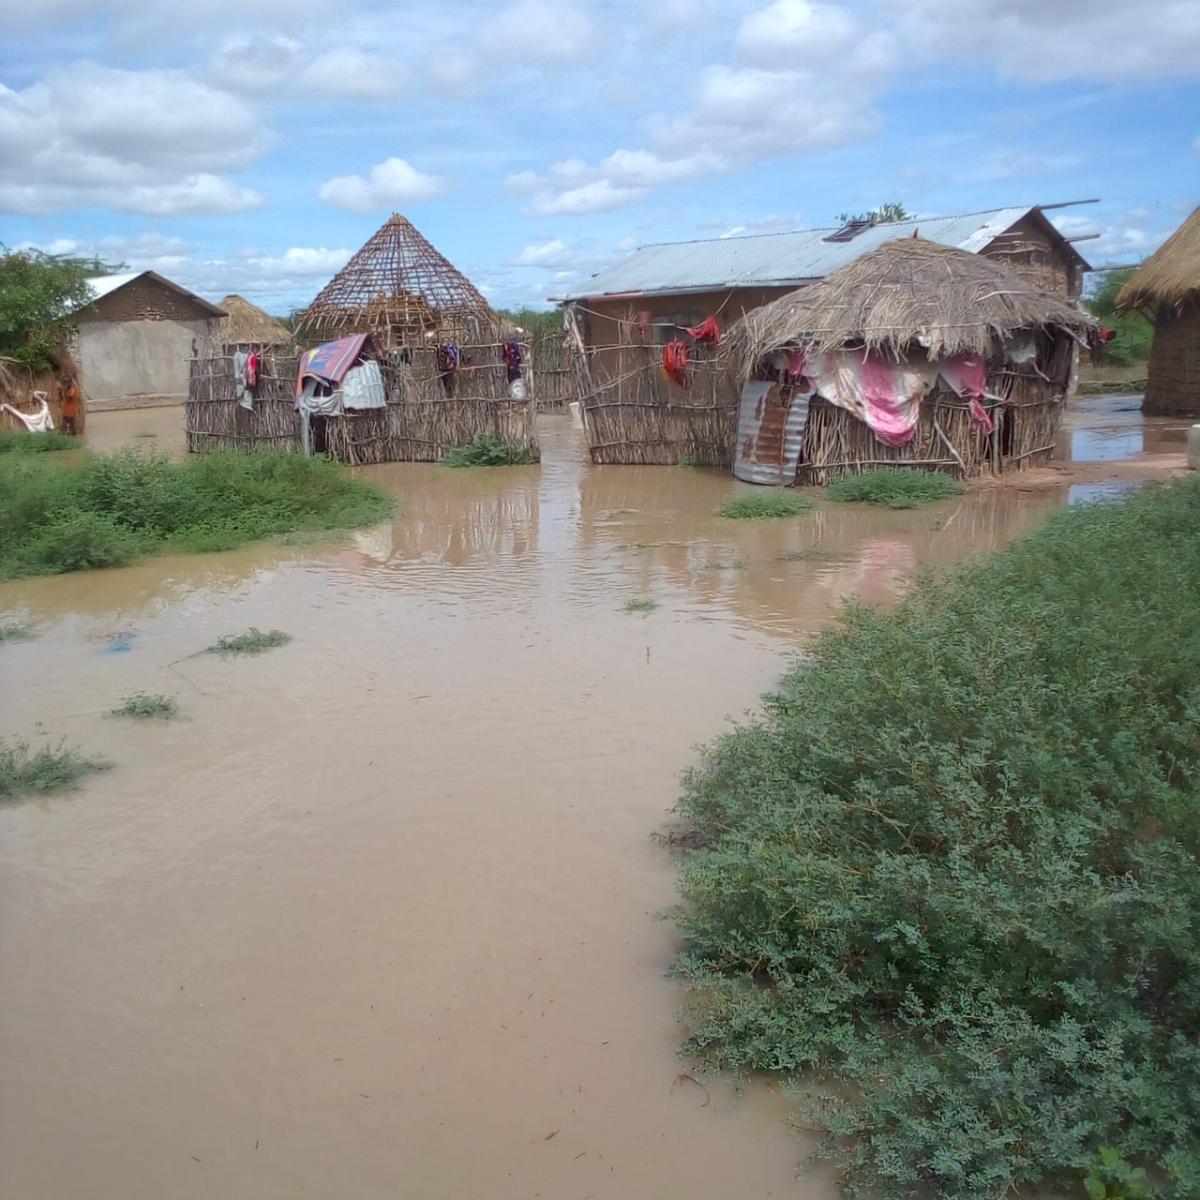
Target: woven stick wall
947, 437
633, 413
424, 416
399, 288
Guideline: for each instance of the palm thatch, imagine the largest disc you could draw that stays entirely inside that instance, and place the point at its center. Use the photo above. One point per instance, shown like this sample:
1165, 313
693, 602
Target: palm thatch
245, 324
907, 291
399, 288
1171, 275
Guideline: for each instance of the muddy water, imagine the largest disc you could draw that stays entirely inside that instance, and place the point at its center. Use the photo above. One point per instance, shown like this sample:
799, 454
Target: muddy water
377, 917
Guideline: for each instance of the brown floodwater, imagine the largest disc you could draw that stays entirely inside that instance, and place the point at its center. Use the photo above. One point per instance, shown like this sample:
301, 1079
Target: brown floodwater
378, 916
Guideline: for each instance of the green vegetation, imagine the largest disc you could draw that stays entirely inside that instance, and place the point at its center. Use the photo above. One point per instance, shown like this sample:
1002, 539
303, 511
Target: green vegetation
951, 876
104, 511
1134, 332
16, 631
904, 487
252, 641
641, 605
885, 213
1112, 1178
487, 451
20, 441
765, 505
39, 297
146, 705
25, 772
536, 322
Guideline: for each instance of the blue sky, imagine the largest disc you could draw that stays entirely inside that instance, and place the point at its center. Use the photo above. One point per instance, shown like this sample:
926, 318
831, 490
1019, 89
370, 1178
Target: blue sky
251, 145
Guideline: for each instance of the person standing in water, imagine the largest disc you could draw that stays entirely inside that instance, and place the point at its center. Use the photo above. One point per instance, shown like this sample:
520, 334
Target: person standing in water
68, 397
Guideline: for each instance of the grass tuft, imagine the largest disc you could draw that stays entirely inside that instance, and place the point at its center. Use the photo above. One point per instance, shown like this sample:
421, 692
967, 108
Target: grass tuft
641, 605
765, 505
487, 451
947, 882
26, 772
904, 487
16, 631
252, 641
101, 511
147, 705
21, 441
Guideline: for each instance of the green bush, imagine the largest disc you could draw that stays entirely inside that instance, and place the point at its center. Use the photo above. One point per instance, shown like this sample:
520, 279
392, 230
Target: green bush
487, 451
252, 641
765, 505
25, 772
951, 873
903, 487
106, 510
144, 706
20, 441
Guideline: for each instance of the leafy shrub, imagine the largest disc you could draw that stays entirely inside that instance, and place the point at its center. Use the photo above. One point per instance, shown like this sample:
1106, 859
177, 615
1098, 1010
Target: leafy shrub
252, 641
26, 772
765, 505
952, 870
146, 705
641, 605
903, 487
20, 441
106, 510
487, 451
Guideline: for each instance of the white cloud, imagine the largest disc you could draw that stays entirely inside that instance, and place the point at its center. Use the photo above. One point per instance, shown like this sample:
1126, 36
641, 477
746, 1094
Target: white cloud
552, 253
601, 195
1128, 237
1047, 40
136, 141
260, 65
392, 182
793, 31
301, 261
546, 32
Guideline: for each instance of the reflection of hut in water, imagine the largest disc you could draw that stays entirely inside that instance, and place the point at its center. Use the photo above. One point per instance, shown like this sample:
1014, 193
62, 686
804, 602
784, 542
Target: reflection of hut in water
1168, 286
915, 354
450, 370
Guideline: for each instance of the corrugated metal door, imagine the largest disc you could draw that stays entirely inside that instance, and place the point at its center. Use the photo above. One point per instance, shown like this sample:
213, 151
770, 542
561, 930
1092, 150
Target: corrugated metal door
771, 420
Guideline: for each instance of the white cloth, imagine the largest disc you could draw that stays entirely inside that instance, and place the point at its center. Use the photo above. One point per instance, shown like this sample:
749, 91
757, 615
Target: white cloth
240, 390
363, 387
38, 422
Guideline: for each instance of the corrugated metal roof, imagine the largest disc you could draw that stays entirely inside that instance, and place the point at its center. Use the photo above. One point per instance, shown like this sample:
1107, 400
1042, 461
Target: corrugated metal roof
780, 259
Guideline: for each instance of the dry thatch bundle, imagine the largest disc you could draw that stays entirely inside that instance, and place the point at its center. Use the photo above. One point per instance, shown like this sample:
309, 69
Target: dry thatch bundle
245, 324
398, 287
907, 291
1171, 275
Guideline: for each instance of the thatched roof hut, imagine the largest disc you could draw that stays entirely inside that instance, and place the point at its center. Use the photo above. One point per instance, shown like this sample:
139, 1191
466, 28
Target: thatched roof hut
245, 324
914, 354
399, 289
1168, 283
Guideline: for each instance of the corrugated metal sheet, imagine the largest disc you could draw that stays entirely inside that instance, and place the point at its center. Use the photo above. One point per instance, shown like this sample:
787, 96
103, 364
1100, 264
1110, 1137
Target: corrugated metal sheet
101, 285
771, 420
775, 259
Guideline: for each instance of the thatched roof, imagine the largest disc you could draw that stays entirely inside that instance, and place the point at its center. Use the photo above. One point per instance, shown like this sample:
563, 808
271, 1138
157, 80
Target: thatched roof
952, 301
1171, 274
246, 324
397, 279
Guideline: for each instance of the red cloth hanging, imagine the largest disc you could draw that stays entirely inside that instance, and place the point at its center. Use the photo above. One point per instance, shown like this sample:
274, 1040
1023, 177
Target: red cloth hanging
674, 361
707, 331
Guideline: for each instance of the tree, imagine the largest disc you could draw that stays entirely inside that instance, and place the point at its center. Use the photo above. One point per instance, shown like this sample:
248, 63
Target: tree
884, 214
1134, 332
39, 297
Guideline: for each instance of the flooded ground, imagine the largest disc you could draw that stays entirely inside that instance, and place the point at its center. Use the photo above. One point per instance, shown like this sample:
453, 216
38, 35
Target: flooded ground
377, 918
